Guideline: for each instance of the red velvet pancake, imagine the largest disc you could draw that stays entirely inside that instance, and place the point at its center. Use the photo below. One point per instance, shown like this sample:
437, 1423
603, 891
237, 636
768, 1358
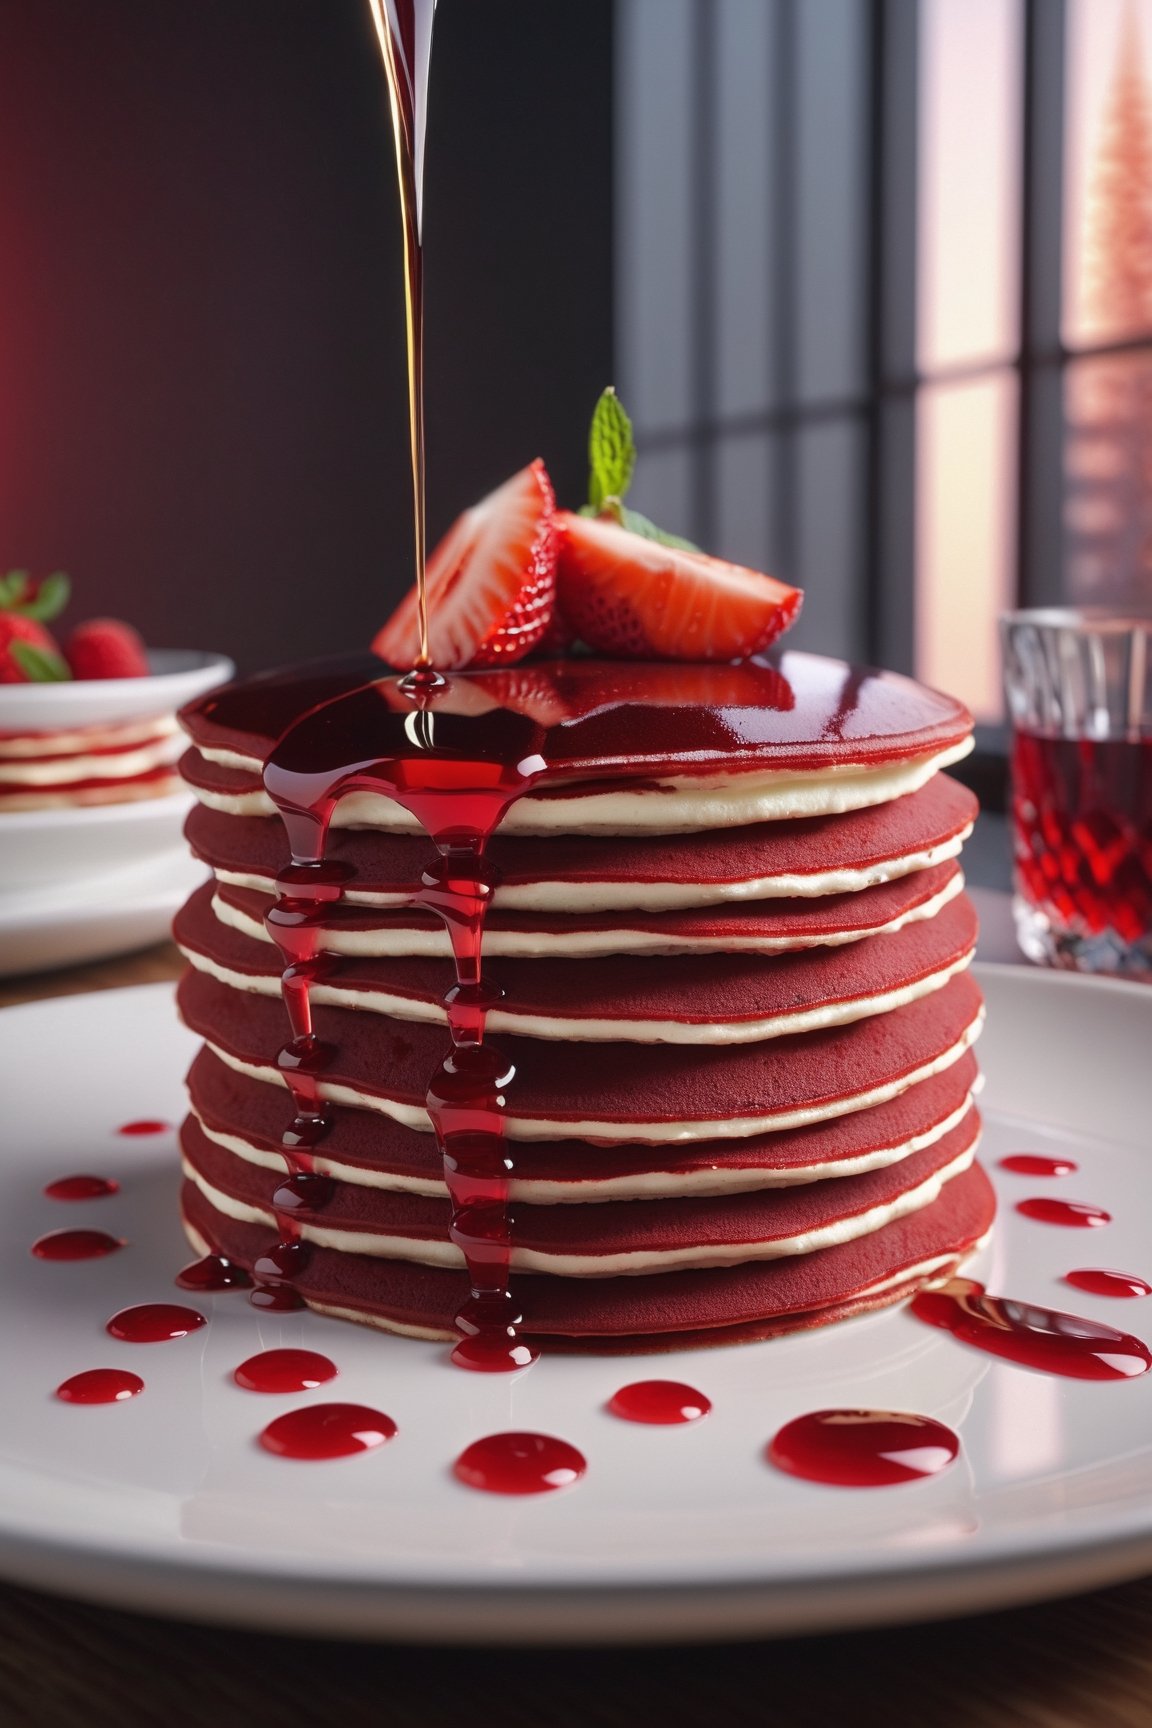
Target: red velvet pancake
717, 1231
665, 1091
560, 998
631, 720
866, 841
363, 1140
829, 919
739, 1301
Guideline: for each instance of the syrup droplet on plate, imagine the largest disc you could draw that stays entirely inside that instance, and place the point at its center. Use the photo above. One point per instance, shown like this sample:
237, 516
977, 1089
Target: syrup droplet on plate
1101, 1282
519, 1464
285, 1371
276, 1300
154, 1323
1032, 1337
1072, 1214
76, 1245
1034, 1164
327, 1431
81, 1188
146, 1125
659, 1402
213, 1272
494, 1353
863, 1448
100, 1386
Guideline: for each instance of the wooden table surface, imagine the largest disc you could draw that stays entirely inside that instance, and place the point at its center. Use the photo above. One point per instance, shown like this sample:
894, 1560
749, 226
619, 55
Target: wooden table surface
1082, 1663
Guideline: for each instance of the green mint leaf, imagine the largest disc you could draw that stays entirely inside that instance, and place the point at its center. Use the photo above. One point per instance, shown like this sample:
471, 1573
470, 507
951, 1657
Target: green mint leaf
611, 451
41, 665
51, 598
13, 588
638, 524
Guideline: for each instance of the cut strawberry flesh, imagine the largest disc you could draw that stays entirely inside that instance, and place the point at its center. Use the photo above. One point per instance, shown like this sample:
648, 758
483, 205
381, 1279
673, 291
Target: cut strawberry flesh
635, 598
491, 582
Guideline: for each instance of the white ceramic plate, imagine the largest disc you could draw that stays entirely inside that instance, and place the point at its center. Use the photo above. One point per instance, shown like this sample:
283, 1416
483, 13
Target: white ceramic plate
166, 1504
112, 913
70, 846
178, 676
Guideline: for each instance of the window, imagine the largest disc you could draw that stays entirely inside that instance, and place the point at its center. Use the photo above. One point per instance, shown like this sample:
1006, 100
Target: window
884, 305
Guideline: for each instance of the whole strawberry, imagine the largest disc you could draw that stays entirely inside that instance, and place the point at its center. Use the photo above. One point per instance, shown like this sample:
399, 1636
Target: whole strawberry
28, 652
106, 648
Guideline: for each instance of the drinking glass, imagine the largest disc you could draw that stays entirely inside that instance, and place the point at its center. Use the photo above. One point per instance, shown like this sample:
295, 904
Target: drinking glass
1080, 701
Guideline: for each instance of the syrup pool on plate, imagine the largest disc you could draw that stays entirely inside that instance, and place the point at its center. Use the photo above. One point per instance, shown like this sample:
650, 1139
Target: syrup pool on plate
1071, 1214
863, 1448
322, 1431
1099, 1281
81, 1188
660, 1403
76, 1245
154, 1323
100, 1386
284, 1371
1035, 1164
519, 1464
1032, 1336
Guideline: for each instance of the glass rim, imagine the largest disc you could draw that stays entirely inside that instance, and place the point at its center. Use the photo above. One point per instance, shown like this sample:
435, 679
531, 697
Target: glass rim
1092, 620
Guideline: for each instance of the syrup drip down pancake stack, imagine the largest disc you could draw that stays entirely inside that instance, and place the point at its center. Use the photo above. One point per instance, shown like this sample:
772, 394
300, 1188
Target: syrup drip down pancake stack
724, 958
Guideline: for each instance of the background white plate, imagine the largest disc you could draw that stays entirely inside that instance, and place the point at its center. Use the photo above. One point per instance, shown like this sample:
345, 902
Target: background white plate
166, 1504
115, 912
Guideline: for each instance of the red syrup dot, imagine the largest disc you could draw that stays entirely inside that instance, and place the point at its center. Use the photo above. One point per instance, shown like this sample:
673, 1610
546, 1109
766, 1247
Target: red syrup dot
100, 1386
285, 1371
488, 1353
154, 1323
327, 1431
661, 1403
1072, 1214
81, 1188
213, 1272
278, 1300
146, 1125
863, 1448
519, 1464
77, 1245
1041, 1338
1100, 1282
1032, 1164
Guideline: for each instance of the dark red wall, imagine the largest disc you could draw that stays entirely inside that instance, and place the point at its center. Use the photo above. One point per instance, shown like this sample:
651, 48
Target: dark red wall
202, 410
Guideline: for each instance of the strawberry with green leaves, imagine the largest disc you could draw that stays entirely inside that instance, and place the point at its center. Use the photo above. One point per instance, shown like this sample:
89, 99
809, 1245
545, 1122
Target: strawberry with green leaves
29, 653
628, 589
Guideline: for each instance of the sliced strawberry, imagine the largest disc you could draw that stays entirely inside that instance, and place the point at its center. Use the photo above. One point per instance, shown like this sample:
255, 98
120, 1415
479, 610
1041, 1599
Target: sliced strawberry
106, 648
16, 667
638, 599
491, 582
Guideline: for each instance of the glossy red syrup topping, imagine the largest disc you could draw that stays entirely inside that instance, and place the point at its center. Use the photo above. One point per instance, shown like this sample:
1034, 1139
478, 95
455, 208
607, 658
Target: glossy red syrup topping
1032, 1337
285, 1371
327, 1431
1072, 1214
1033, 1164
659, 1402
154, 1323
100, 1386
213, 1272
81, 1188
519, 1464
77, 1245
146, 1125
863, 1448
1098, 1281
457, 772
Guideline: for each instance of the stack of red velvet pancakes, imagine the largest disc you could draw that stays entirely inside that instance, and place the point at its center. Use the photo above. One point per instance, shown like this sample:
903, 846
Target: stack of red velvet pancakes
727, 952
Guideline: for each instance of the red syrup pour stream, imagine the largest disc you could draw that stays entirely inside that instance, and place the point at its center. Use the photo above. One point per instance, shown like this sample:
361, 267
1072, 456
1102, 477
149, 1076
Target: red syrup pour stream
1100, 1282
285, 1371
81, 1188
100, 1386
327, 1431
519, 1464
1034, 1164
661, 1403
1032, 1337
213, 1272
863, 1448
77, 1245
1072, 1214
457, 774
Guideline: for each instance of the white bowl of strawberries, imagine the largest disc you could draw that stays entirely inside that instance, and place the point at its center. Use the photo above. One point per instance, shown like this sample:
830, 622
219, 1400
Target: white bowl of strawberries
88, 747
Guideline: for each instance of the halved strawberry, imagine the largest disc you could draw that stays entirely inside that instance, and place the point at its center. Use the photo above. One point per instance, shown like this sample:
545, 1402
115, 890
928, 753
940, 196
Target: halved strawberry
491, 582
638, 599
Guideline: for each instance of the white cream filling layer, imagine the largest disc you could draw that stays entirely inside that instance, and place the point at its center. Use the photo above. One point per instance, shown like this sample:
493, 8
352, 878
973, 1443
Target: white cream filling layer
674, 806
639, 896
618, 1264
412, 942
77, 743
121, 765
590, 1030
651, 1133
715, 1180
